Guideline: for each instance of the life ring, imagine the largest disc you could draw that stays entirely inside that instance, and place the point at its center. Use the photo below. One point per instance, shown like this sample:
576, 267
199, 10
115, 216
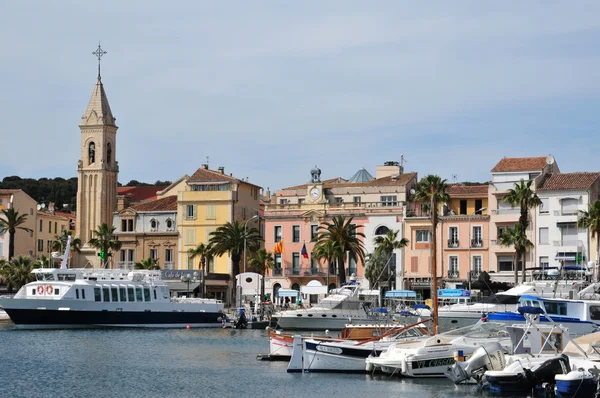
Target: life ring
40, 289
49, 289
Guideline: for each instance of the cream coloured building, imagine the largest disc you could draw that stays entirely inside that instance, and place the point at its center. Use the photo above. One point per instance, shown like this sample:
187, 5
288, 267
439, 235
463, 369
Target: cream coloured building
24, 204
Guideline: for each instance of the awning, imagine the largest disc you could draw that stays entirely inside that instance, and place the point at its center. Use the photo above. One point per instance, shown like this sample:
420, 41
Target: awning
401, 293
182, 286
569, 256
566, 224
287, 293
215, 282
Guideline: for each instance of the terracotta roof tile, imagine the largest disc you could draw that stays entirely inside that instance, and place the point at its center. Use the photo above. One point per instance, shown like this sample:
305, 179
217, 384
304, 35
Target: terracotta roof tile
457, 189
331, 181
399, 180
66, 215
202, 175
140, 193
520, 164
565, 181
8, 191
168, 203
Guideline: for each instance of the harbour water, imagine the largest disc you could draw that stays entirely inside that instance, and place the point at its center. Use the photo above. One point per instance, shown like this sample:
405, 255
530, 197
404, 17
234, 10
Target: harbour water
177, 363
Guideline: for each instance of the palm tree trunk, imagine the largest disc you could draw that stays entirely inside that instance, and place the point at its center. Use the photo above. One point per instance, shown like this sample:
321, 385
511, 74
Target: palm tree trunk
341, 270
11, 246
597, 271
523, 267
516, 266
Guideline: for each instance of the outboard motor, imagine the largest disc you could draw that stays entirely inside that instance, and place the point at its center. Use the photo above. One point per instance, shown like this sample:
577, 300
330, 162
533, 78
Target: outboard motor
241, 322
547, 370
487, 357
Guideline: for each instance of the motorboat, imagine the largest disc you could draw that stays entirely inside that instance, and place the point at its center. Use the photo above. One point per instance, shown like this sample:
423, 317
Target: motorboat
342, 306
431, 357
90, 297
348, 355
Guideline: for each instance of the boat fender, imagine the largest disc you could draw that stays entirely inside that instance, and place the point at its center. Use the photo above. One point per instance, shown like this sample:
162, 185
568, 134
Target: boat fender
404, 367
49, 289
40, 289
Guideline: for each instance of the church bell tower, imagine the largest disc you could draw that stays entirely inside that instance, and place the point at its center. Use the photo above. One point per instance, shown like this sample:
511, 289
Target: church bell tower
97, 168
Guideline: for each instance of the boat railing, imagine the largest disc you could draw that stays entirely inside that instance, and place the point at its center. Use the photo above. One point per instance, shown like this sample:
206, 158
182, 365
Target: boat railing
195, 300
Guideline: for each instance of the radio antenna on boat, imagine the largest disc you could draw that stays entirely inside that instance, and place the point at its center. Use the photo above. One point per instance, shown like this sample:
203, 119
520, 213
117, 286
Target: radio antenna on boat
65, 256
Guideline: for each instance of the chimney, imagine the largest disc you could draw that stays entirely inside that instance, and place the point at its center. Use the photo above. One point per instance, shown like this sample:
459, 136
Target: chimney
205, 166
268, 193
122, 202
222, 170
51, 207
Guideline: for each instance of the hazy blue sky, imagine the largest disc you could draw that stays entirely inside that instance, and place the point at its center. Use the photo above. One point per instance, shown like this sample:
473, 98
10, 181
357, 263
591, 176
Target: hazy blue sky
268, 89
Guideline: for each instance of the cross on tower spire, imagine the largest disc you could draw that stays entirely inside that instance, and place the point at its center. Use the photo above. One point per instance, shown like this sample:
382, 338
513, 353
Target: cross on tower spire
99, 53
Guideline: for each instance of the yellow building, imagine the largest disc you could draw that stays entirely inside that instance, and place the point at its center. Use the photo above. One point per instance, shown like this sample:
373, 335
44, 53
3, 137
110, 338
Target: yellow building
211, 199
49, 224
24, 204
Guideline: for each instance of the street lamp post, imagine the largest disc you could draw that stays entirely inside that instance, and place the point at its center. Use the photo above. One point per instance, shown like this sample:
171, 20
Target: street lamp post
255, 217
471, 242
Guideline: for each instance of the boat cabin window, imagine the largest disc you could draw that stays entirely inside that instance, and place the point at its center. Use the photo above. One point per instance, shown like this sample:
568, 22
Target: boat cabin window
154, 293
138, 294
554, 308
83, 294
594, 312
47, 276
146, 294
105, 293
66, 277
77, 294
33, 292
123, 293
56, 291
130, 293
115, 296
502, 299
97, 296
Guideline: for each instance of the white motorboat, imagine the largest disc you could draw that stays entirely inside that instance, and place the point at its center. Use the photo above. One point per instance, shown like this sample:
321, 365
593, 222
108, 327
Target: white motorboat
344, 305
83, 298
432, 356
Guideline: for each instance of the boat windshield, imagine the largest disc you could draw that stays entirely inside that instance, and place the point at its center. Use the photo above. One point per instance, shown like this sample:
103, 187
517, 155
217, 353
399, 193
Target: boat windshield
502, 299
46, 276
481, 329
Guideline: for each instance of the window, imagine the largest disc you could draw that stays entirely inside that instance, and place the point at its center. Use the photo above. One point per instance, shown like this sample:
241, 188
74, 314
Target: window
154, 254
505, 263
190, 236
130, 293
338, 199
453, 237
382, 230
296, 233
296, 263
463, 207
277, 268
40, 245
569, 206
352, 265
48, 246
41, 225
155, 294
50, 226
114, 293
554, 308
545, 206
130, 225
123, 225
453, 267
277, 233
414, 264
477, 236
131, 255
190, 212
97, 295
390, 200
501, 230
83, 294
168, 255
423, 236
77, 294
544, 261
300, 201
138, 294
146, 294
108, 153
477, 264
283, 201
105, 293
478, 206
356, 199
211, 211
543, 236
91, 153
314, 231
211, 187
170, 224
153, 225
594, 312
55, 227
123, 293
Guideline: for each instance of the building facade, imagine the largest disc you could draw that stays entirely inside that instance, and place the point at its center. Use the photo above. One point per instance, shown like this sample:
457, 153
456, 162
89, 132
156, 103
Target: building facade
49, 225
24, 240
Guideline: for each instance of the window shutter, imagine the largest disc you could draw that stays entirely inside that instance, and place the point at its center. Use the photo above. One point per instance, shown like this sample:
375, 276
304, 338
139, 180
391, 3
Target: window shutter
544, 236
414, 264
569, 206
211, 211
190, 236
545, 206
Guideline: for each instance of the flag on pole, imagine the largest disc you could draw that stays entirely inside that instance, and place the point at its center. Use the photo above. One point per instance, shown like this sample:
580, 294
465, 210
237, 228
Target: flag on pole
278, 249
304, 252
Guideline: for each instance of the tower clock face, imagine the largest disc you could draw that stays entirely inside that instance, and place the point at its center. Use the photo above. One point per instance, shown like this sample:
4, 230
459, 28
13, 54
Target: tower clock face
314, 193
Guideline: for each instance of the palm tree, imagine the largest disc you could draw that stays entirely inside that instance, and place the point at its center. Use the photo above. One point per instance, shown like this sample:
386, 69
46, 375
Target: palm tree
10, 223
345, 235
516, 237
60, 242
147, 263
43, 261
387, 244
590, 219
203, 251
261, 262
229, 238
375, 266
433, 190
329, 251
17, 272
105, 240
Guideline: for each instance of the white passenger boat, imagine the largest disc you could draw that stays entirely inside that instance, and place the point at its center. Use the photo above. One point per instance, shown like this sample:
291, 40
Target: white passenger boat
344, 305
79, 298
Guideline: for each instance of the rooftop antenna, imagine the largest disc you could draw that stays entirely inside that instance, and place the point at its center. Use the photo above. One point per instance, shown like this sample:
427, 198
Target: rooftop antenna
402, 160
207, 158
99, 53
454, 178
550, 162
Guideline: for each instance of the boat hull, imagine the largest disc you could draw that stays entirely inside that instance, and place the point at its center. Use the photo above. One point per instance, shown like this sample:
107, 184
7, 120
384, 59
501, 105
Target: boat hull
316, 322
49, 318
323, 357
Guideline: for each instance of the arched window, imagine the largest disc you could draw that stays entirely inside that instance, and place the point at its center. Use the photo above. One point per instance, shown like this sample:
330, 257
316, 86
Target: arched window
108, 153
381, 230
169, 224
276, 288
91, 152
296, 286
153, 224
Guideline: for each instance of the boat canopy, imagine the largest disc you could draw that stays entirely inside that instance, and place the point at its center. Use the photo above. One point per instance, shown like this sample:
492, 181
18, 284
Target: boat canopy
401, 293
288, 293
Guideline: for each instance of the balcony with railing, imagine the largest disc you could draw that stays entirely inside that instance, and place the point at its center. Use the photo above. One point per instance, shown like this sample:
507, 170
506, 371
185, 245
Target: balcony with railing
307, 271
575, 244
367, 207
276, 272
476, 243
499, 212
453, 243
130, 265
453, 274
566, 212
169, 265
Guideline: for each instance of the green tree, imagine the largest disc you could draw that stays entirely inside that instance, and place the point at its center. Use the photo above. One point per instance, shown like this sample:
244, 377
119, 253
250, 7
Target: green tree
17, 272
204, 252
261, 261
433, 190
59, 244
387, 244
345, 235
329, 251
229, 238
147, 263
10, 222
375, 266
517, 238
105, 240
590, 219
43, 262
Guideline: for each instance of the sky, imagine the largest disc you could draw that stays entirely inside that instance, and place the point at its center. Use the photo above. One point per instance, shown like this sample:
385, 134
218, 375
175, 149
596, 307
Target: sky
269, 89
